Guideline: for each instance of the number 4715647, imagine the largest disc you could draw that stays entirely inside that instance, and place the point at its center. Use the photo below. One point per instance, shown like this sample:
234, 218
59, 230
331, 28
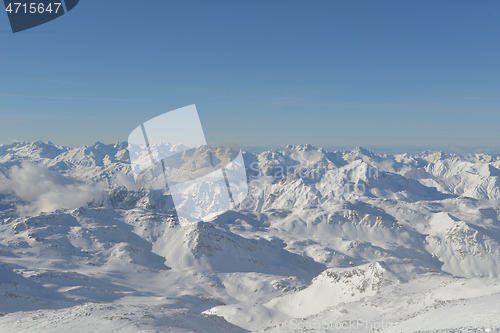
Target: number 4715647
33, 7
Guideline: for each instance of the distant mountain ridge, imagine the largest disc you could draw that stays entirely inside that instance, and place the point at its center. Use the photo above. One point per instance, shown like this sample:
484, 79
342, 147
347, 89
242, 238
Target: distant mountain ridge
100, 161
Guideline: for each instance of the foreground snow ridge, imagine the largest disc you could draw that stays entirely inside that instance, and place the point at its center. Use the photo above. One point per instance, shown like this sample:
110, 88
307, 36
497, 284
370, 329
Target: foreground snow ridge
324, 242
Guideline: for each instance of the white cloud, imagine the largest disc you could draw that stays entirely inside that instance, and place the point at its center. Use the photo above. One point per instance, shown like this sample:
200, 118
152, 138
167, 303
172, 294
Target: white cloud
45, 191
125, 180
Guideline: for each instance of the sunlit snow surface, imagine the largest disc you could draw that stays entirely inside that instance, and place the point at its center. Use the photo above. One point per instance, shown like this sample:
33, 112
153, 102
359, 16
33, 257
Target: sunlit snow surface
324, 242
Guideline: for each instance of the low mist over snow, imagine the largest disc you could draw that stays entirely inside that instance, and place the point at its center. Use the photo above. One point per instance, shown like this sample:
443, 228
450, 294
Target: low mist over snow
46, 191
325, 241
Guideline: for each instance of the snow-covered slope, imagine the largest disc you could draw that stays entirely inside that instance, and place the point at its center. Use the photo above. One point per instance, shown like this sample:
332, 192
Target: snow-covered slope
397, 243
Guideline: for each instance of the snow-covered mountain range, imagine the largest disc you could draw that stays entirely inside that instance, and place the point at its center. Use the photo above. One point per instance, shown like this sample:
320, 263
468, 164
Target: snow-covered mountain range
324, 242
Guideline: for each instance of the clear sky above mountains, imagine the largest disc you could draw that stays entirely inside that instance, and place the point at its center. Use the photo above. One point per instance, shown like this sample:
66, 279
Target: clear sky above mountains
329, 73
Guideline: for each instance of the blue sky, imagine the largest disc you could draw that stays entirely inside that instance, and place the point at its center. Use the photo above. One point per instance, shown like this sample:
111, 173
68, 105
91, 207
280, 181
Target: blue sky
329, 73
